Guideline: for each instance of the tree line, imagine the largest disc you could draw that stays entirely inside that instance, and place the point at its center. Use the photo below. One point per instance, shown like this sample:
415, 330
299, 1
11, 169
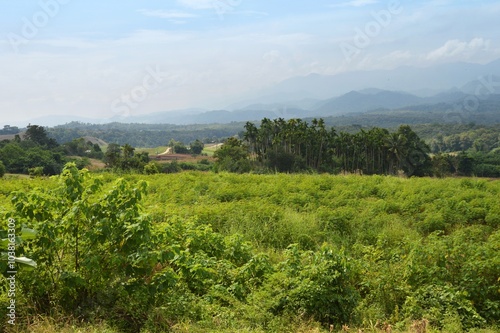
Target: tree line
37, 154
296, 146
144, 135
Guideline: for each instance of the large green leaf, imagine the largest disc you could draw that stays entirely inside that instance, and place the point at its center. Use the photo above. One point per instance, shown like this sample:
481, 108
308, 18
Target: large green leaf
27, 234
4, 242
26, 262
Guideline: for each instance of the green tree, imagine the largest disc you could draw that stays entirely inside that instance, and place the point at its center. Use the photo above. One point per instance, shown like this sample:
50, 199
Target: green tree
2, 169
39, 136
113, 154
465, 164
151, 168
233, 157
128, 151
196, 147
91, 245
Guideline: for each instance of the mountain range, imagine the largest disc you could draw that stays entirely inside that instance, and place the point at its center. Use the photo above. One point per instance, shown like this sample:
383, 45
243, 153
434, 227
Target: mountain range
441, 87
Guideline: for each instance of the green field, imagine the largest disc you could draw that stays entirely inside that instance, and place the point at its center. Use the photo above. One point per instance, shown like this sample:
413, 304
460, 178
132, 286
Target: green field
207, 252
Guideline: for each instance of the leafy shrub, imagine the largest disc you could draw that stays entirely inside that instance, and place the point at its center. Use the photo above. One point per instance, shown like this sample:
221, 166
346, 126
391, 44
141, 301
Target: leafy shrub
317, 284
2, 169
172, 167
151, 168
103, 238
212, 254
36, 172
437, 302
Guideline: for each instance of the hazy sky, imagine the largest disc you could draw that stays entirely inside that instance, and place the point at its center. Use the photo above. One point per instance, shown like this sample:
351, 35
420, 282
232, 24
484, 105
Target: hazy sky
104, 58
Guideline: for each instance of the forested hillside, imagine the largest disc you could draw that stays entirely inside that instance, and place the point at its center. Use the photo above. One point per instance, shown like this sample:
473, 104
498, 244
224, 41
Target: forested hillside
144, 135
279, 145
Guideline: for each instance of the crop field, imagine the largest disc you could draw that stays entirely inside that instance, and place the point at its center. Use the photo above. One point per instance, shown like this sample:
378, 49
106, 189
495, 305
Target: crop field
220, 252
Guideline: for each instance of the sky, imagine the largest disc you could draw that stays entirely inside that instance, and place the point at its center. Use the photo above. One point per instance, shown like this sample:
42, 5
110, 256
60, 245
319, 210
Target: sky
106, 58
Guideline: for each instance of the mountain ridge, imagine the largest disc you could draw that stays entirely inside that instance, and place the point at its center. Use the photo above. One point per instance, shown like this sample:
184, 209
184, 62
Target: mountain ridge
344, 93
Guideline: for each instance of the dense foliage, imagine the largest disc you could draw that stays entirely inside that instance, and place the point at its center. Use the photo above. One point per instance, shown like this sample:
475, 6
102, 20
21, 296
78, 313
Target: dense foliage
278, 145
7, 129
298, 146
37, 150
81, 147
223, 252
295, 145
125, 158
145, 135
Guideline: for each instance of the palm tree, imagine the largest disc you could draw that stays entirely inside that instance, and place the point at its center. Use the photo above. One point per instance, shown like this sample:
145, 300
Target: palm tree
395, 144
251, 135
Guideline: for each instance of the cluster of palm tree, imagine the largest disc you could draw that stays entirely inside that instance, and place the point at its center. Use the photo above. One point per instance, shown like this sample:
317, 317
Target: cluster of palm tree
295, 145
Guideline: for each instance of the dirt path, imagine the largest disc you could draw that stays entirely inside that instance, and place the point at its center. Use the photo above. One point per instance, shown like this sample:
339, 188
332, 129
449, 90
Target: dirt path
167, 152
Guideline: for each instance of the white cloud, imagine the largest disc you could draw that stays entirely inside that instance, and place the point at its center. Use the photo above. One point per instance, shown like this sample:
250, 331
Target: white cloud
354, 3
199, 4
253, 13
167, 14
152, 37
272, 56
67, 43
455, 49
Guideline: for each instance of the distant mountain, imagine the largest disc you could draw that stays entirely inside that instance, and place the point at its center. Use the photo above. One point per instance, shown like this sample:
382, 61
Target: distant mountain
484, 85
453, 95
314, 95
279, 101
54, 120
437, 78
371, 91
355, 102
247, 114
165, 117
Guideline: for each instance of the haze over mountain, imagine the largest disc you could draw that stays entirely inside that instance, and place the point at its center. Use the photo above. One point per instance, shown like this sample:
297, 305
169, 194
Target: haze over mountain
364, 91
419, 81
113, 60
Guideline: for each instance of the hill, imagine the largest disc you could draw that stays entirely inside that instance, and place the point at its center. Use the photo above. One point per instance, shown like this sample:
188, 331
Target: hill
356, 102
101, 143
317, 95
422, 81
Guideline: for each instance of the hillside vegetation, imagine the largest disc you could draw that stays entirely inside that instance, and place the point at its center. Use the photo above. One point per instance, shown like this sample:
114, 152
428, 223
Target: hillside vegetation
206, 252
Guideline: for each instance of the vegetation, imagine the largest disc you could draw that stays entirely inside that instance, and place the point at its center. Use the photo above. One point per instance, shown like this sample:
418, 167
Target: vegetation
195, 147
207, 252
2, 169
295, 145
125, 158
278, 145
7, 129
478, 147
80, 147
145, 135
233, 157
36, 150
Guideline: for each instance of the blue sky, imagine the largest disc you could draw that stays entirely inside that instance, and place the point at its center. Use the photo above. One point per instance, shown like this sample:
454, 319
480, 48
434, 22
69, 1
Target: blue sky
104, 58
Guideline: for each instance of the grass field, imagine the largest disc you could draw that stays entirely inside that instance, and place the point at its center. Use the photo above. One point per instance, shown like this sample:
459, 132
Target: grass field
414, 249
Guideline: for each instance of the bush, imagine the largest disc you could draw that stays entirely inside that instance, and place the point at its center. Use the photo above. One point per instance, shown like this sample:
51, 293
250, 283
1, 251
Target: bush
316, 284
2, 169
172, 167
151, 168
438, 303
36, 172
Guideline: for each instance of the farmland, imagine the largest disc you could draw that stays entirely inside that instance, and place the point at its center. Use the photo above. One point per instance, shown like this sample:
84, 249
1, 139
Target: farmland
220, 252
